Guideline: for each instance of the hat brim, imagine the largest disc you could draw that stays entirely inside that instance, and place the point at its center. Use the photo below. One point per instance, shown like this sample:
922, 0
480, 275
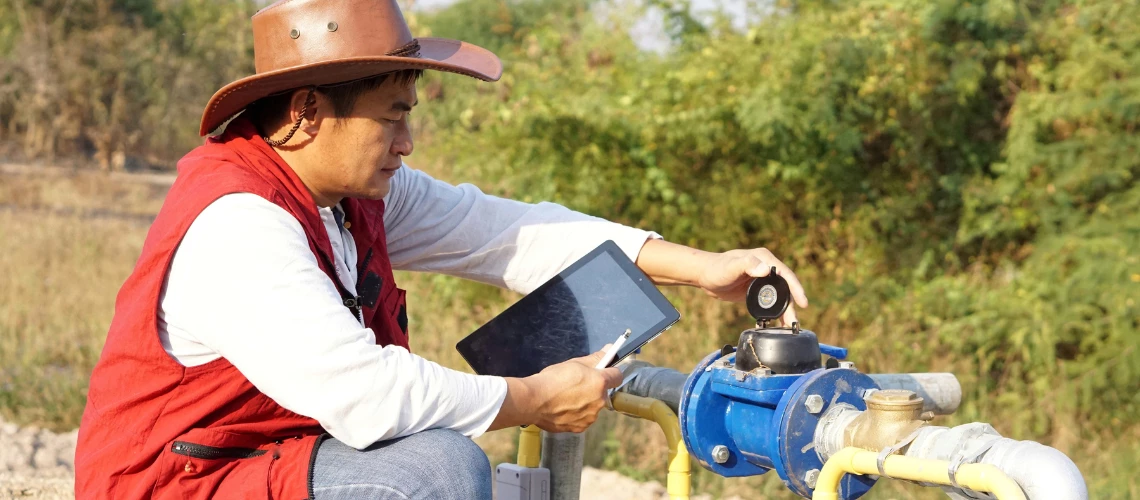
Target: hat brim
439, 54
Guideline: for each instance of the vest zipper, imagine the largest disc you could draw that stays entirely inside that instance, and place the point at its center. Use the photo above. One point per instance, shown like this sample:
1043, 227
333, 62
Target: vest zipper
363, 269
313, 463
194, 450
352, 302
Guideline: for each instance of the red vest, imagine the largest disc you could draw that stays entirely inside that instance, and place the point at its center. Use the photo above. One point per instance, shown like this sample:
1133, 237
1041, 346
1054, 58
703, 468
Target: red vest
154, 428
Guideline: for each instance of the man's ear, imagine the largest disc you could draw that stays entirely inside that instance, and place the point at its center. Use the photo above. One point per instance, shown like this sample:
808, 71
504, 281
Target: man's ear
311, 103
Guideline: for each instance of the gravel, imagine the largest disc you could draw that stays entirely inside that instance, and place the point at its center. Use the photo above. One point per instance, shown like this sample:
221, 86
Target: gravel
37, 463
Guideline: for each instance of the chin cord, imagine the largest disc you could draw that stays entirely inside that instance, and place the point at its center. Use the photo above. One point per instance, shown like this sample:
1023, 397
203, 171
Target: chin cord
304, 111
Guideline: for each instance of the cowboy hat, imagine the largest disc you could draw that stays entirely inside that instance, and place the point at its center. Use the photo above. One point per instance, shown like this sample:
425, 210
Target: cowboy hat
298, 43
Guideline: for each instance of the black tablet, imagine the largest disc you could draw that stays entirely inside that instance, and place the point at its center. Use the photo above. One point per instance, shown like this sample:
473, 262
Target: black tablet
579, 311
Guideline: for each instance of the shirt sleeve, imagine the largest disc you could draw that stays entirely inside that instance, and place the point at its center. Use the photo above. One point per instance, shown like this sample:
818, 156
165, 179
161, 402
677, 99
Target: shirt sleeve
458, 230
245, 284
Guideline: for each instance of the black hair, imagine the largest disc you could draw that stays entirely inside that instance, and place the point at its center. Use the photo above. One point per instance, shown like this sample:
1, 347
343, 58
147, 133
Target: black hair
270, 112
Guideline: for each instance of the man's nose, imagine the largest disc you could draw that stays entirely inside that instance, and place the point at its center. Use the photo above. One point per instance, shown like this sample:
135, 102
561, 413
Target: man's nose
402, 145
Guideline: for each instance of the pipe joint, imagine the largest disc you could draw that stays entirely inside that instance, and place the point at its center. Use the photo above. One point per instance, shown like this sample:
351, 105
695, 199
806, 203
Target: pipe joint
891, 415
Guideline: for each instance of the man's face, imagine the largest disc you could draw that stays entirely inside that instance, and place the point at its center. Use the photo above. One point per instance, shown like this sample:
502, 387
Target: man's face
363, 150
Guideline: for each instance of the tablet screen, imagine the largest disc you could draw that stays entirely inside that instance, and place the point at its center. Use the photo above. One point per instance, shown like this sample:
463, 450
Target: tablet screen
576, 313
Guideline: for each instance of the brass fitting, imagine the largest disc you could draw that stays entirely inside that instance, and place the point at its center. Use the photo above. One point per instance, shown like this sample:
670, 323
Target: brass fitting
892, 414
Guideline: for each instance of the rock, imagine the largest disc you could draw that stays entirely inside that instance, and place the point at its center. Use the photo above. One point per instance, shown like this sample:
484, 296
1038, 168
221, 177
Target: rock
36, 463
44, 458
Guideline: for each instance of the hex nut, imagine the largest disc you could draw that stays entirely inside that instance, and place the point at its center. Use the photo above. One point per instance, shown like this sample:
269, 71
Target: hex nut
867, 393
740, 376
720, 454
850, 365
814, 403
811, 478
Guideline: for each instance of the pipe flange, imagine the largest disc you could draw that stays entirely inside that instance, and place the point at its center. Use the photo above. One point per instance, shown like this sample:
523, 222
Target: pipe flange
794, 439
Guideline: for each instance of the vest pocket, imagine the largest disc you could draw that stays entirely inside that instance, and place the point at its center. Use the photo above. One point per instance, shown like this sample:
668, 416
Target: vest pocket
194, 450
196, 471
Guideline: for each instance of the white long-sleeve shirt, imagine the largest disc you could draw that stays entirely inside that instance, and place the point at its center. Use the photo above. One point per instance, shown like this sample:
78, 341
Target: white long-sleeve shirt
245, 286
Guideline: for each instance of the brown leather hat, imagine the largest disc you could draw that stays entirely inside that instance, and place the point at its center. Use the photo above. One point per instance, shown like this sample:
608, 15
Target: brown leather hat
297, 43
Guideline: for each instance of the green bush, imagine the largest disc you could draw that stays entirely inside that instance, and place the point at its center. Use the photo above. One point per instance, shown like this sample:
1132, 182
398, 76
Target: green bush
121, 81
955, 182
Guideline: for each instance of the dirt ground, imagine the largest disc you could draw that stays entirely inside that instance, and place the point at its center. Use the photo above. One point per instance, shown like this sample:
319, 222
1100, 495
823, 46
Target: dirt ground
38, 464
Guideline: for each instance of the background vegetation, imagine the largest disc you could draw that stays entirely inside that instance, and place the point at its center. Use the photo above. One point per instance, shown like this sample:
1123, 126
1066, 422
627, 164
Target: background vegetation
954, 182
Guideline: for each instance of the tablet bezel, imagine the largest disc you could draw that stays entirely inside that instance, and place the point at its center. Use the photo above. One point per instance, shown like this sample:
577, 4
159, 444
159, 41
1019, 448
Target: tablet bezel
632, 272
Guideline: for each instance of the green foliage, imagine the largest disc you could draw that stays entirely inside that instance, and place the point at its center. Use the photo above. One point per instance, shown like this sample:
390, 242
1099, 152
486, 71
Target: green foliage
121, 81
1072, 138
954, 181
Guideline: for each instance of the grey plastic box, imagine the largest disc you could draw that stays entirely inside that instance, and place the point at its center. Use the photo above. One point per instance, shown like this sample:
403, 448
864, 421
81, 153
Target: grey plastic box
515, 482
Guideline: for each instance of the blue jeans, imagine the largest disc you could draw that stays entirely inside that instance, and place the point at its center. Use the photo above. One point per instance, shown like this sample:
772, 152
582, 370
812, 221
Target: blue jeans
438, 463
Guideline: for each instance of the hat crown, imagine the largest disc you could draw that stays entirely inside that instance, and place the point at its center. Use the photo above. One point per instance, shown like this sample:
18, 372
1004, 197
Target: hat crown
292, 33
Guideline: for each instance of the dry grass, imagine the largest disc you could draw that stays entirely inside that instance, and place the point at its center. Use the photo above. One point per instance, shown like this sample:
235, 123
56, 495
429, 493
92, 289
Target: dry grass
67, 242
60, 271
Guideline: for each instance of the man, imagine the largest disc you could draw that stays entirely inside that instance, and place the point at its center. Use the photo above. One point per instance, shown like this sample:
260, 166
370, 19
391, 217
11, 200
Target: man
259, 348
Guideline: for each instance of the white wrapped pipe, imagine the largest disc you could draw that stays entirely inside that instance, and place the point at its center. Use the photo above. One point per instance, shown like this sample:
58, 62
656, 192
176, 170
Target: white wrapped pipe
1044, 473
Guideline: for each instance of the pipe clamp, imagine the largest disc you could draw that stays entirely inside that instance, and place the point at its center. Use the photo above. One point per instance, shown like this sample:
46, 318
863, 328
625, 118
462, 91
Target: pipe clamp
880, 462
963, 458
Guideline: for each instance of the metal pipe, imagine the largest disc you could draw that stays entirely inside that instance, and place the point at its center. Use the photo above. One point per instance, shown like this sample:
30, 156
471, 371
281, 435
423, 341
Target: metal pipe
977, 477
941, 393
678, 481
653, 382
1043, 472
530, 446
562, 454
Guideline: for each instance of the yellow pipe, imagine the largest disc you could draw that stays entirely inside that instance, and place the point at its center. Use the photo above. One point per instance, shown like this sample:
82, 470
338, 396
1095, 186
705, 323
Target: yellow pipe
530, 446
978, 477
677, 482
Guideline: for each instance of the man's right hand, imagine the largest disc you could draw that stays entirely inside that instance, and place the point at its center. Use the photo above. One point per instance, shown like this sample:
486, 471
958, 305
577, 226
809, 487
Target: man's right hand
565, 397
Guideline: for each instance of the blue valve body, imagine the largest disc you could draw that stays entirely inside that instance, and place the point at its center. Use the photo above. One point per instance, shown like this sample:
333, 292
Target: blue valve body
763, 419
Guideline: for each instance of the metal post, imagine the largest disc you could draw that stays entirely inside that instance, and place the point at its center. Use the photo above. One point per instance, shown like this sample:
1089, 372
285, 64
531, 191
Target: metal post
563, 453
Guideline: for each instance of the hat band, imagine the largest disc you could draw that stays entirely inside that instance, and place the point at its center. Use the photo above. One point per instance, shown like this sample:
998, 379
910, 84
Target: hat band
410, 49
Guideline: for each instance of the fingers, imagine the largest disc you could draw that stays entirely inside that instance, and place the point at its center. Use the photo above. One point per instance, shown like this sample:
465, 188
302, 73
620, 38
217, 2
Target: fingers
613, 377
789, 316
766, 262
592, 360
756, 267
796, 288
580, 393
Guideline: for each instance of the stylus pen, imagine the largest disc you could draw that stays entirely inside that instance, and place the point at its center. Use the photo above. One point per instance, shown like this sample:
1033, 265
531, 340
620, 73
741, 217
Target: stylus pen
609, 356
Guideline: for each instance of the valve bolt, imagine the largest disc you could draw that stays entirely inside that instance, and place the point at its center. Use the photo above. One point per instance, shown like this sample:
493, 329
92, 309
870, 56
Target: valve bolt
811, 477
814, 403
720, 453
